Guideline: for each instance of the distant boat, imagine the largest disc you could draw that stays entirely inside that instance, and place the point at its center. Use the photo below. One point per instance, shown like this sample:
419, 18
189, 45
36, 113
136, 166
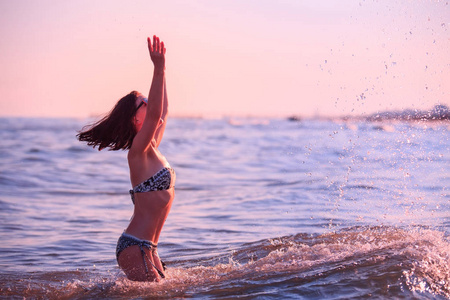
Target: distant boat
294, 118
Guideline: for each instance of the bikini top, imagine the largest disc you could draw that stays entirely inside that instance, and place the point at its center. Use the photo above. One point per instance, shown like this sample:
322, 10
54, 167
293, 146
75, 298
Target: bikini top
164, 179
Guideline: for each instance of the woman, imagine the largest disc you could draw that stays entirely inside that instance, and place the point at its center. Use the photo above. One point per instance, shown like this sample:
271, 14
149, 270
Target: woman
138, 124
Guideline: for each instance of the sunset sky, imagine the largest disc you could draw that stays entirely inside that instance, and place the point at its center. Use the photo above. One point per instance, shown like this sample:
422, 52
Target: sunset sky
235, 57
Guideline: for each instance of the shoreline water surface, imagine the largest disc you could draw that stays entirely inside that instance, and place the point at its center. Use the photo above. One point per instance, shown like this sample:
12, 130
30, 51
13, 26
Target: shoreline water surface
264, 208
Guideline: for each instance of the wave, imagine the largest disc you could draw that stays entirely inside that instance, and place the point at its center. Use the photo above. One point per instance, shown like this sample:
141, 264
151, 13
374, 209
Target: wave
355, 262
437, 113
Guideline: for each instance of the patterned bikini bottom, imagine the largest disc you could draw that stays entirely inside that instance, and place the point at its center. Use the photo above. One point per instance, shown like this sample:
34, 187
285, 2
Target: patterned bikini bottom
126, 240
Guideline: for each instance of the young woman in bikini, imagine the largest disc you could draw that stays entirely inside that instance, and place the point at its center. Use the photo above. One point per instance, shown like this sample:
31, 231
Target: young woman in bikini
137, 124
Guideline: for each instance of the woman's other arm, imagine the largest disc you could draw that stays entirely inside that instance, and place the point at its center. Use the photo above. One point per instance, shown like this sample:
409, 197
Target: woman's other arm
160, 131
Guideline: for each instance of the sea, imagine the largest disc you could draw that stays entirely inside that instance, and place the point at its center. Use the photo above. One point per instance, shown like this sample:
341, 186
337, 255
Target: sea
265, 208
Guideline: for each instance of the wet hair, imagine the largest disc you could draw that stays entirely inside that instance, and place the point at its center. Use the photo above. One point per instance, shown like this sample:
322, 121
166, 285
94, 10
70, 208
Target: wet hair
116, 130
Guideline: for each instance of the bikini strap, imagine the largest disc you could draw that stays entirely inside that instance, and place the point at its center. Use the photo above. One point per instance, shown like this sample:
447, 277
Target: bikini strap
151, 247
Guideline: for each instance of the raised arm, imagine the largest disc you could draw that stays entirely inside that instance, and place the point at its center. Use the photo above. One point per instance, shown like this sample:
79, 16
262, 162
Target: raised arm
160, 130
143, 140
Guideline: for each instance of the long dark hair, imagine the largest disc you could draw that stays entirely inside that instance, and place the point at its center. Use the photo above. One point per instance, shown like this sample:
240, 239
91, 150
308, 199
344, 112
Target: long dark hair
115, 130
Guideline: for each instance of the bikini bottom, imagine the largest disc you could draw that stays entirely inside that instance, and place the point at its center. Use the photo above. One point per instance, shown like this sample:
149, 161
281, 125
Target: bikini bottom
126, 240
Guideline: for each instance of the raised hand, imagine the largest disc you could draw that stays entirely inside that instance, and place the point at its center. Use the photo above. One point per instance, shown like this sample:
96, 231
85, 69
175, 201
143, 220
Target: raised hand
157, 52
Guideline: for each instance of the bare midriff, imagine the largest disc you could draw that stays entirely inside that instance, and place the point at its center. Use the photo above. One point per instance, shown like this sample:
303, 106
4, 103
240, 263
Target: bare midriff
150, 212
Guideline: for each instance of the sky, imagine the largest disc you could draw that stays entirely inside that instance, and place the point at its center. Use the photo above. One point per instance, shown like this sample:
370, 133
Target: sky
77, 58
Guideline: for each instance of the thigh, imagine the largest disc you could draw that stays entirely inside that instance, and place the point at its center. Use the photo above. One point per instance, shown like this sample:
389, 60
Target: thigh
158, 263
132, 263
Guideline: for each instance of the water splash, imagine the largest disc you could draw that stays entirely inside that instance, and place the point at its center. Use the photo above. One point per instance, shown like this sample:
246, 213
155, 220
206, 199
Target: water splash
400, 262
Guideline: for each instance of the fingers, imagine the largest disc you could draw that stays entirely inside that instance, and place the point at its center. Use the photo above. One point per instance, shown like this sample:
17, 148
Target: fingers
157, 47
156, 43
150, 48
157, 52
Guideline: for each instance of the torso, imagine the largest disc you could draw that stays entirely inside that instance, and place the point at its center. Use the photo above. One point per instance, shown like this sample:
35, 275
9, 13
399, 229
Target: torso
151, 208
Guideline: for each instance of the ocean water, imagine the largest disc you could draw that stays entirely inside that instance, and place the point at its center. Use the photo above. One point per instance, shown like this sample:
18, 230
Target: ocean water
264, 208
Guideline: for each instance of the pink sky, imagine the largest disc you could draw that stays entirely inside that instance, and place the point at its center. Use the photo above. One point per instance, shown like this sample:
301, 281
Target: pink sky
235, 57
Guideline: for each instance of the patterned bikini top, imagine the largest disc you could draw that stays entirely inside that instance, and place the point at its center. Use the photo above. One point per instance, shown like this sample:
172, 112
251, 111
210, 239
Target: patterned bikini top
164, 179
